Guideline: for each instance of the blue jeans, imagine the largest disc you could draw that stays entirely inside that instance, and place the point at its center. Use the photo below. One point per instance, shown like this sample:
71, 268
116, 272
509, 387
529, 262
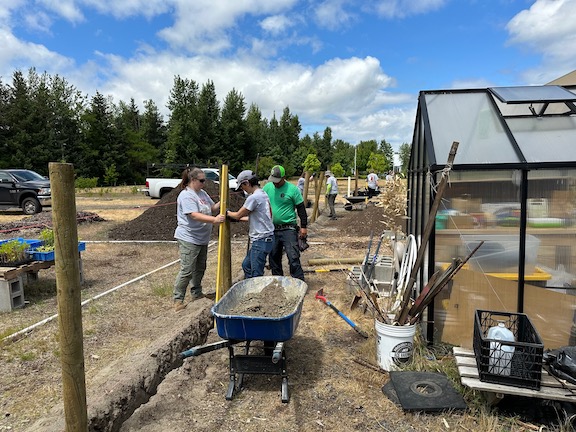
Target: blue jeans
192, 267
286, 239
255, 260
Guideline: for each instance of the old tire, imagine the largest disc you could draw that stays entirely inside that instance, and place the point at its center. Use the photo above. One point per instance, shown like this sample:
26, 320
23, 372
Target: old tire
31, 206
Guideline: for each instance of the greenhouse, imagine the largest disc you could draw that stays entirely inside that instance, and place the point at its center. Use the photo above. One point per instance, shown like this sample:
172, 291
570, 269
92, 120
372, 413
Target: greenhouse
512, 185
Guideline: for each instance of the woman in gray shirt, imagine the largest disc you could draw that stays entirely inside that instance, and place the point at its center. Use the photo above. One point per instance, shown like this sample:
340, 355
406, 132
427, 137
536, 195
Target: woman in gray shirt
195, 211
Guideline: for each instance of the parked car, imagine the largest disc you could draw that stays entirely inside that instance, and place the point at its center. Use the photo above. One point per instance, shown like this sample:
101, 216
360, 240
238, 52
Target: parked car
158, 187
25, 189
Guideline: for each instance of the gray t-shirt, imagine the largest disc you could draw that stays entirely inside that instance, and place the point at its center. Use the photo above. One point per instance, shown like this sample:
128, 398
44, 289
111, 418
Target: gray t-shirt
334, 185
188, 229
260, 217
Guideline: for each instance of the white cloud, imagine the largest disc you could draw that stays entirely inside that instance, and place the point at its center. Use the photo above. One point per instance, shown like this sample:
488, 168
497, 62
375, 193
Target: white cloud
67, 9
341, 93
127, 8
6, 9
332, 14
404, 8
547, 28
202, 26
276, 24
39, 21
16, 53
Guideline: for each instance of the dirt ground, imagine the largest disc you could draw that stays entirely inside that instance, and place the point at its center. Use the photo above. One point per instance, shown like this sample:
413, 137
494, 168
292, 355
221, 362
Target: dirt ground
135, 379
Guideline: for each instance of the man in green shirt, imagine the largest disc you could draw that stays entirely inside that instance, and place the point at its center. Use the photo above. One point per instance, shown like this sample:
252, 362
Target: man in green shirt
287, 204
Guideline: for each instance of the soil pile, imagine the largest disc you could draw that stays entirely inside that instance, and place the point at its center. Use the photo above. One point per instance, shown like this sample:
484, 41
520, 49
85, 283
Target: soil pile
159, 222
42, 220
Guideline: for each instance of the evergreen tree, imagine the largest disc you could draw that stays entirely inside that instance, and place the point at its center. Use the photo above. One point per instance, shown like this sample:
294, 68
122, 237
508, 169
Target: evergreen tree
235, 148
153, 130
386, 149
67, 106
4, 125
183, 129
324, 149
18, 116
208, 122
101, 146
256, 131
290, 137
274, 139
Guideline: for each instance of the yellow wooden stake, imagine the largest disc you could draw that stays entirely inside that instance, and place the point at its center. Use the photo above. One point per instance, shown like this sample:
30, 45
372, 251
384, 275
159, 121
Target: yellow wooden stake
224, 271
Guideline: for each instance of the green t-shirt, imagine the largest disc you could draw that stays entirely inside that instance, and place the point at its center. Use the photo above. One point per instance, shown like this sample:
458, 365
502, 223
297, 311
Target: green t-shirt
283, 201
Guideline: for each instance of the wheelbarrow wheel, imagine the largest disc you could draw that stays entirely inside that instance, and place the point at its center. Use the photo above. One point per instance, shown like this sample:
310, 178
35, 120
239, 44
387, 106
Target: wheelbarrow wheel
348, 206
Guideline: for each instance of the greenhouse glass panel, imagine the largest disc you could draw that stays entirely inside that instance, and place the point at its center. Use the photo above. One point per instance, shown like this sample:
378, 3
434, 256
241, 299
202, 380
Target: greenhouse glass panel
522, 94
549, 291
470, 119
545, 139
478, 206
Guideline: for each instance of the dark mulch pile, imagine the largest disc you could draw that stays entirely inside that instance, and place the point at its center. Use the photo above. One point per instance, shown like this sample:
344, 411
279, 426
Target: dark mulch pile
159, 222
371, 219
42, 220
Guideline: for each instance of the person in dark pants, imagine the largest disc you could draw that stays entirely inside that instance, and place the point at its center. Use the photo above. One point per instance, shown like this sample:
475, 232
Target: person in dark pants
287, 204
331, 193
257, 211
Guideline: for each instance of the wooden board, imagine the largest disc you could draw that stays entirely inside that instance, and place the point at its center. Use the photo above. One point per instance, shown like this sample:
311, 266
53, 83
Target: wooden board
9, 273
550, 388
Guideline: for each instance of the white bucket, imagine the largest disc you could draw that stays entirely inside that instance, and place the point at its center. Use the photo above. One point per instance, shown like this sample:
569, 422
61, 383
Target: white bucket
394, 344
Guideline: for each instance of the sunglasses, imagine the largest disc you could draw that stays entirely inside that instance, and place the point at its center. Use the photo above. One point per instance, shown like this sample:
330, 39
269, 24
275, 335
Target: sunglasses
201, 180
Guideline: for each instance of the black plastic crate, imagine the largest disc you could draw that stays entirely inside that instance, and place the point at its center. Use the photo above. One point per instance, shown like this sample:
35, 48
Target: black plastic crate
525, 364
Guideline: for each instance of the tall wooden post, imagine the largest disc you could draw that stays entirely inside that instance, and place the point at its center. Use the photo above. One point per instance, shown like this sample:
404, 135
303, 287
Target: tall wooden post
306, 187
318, 183
68, 295
224, 271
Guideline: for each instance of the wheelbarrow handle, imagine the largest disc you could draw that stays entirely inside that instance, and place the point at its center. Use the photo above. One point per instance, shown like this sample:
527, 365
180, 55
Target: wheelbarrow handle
202, 349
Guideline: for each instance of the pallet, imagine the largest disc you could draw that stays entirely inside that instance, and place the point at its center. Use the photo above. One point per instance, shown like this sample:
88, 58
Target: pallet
9, 273
551, 387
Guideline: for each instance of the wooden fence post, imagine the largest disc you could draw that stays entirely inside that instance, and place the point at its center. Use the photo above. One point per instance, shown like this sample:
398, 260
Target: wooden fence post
68, 295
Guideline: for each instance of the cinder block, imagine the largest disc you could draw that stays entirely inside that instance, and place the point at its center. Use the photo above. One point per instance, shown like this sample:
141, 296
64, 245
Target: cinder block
353, 279
11, 294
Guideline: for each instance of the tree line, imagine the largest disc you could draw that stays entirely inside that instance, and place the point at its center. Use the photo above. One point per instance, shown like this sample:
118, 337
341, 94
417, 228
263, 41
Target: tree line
44, 118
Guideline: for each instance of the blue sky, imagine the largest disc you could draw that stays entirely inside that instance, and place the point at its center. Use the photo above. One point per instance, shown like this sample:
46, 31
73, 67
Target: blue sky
353, 65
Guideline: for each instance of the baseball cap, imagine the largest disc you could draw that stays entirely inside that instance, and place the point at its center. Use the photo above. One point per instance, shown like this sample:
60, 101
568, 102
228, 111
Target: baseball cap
328, 173
244, 176
276, 174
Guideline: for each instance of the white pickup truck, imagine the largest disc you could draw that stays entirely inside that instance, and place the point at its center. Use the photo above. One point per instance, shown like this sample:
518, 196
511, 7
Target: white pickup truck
158, 187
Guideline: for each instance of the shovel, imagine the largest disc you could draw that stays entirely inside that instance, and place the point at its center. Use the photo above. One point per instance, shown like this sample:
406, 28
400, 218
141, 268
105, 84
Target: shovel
320, 296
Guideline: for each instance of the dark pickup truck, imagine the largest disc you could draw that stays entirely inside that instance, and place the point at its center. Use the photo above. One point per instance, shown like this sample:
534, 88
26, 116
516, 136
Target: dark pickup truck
25, 189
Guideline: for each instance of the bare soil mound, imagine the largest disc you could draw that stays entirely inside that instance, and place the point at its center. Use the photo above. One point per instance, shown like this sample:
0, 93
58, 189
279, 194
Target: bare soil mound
159, 222
43, 220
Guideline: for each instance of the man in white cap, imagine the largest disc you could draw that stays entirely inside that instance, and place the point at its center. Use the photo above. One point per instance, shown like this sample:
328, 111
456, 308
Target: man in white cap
257, 211
331, 193
287, 202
